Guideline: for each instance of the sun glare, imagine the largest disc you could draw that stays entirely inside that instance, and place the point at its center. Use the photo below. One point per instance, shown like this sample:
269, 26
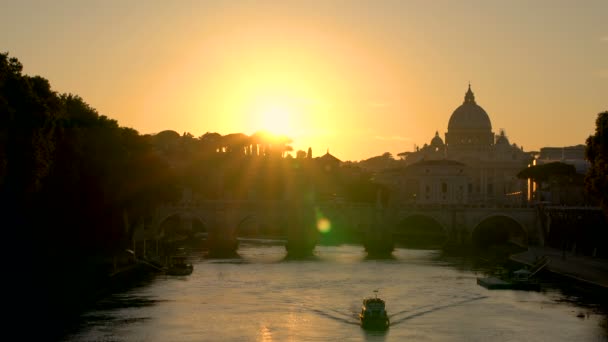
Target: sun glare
275, 118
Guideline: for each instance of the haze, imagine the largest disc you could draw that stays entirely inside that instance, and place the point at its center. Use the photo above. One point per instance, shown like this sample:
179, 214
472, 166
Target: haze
359, 78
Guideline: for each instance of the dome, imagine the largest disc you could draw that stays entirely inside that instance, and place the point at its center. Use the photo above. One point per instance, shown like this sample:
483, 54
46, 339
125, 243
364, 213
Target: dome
436, 141
502, 139
469, 115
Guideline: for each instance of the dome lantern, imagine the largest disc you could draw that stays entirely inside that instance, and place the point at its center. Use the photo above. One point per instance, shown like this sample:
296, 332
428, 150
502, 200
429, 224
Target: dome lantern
436, 141
469, 97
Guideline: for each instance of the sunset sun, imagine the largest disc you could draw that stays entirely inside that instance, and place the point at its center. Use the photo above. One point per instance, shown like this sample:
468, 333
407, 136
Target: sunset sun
275, 118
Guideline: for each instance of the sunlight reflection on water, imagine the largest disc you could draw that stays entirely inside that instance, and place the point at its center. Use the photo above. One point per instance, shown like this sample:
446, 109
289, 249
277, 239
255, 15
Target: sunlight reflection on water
263, 297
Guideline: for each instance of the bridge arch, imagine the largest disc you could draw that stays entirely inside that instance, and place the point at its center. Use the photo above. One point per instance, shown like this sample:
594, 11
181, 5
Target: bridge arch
259, 225
248, 226
185, 223
499, 229
420, 230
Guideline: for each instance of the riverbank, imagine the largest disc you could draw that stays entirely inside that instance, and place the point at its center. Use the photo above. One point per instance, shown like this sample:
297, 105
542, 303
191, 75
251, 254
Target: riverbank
69, 295
590, 270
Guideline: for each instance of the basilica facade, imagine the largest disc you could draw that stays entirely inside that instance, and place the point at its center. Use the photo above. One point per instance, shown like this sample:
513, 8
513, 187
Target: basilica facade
472, 166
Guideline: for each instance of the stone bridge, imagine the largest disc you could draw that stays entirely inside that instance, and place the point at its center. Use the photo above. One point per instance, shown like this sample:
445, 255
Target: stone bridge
224, 221
472, 224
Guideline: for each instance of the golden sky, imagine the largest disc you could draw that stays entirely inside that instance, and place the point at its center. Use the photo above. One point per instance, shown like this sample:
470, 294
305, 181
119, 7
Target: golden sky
359, 78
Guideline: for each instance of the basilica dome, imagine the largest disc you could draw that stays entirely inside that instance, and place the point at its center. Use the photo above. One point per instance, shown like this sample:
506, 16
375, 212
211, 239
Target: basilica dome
502, 139
469, 115
436, 141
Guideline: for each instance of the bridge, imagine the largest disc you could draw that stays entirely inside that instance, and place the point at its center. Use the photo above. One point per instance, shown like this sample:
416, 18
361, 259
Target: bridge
222, 221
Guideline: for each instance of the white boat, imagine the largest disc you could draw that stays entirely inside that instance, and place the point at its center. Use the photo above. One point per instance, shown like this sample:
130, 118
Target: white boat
373, 314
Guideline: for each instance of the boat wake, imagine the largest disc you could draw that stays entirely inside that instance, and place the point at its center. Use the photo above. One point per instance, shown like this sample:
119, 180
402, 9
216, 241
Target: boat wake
431, 308
337, 316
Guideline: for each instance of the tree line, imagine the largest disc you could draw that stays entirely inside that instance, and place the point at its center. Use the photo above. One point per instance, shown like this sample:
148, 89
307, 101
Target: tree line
70, 182
74, 183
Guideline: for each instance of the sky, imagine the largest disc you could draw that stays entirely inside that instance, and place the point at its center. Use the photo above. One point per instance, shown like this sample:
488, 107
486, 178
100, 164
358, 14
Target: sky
357, 78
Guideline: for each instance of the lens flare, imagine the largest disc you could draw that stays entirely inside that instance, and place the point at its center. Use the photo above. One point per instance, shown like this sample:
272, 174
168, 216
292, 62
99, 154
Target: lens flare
323, 225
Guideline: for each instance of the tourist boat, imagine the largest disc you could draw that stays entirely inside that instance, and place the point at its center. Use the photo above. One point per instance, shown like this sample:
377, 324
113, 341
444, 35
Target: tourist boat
373, 314
178, 265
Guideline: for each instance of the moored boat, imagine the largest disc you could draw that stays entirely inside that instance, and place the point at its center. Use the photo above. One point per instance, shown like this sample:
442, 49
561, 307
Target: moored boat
520, 280
373, 314
178, 265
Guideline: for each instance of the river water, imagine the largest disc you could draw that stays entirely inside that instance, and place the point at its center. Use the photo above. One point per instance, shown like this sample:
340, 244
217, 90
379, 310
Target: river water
262, 296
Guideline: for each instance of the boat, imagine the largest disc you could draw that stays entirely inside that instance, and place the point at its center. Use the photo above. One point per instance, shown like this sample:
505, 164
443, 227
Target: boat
493, 283
178, 265
522, 279
519, 280
373, 314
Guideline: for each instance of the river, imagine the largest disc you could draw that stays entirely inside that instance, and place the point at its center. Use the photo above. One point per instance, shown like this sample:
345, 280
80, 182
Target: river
262, 296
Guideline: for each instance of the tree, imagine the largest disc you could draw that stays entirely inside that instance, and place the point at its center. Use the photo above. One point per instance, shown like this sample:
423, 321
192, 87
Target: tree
378, 163
596, 152
236, 143
542, 173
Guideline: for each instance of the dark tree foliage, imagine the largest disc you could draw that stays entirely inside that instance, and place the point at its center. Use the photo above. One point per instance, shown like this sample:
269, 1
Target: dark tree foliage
69, 181
379, 163
596, 152
543, 172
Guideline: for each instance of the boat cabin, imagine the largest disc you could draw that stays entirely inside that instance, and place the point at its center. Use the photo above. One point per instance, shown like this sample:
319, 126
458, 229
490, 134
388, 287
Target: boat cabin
373, 314
373, 304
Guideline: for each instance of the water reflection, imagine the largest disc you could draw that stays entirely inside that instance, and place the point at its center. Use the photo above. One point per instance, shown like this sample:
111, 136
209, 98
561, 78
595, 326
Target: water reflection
338, 316
265, 335
426, 309
266, 297
376, 335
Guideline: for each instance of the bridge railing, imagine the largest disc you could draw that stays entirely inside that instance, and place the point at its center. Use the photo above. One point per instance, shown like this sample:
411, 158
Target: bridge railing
219, 204
248, 203
564, 207
435, 206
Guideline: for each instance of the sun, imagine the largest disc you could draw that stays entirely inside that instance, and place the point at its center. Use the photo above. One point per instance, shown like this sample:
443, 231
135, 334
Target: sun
275, 117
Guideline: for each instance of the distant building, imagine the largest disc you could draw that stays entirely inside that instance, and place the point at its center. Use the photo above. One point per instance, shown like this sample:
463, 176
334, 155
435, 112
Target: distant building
328, 162
573, 155
326, 173
560, 190
428, 182
489, 162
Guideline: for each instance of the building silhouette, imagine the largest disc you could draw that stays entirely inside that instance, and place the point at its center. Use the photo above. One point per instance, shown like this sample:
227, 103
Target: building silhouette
473, 166
558, 189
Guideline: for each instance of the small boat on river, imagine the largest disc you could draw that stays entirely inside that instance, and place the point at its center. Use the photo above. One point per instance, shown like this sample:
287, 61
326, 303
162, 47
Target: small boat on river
522, 279
493, 283
373, 314
179, 265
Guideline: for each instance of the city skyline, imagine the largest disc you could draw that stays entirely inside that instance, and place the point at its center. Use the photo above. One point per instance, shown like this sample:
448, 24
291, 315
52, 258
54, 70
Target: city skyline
357, 77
